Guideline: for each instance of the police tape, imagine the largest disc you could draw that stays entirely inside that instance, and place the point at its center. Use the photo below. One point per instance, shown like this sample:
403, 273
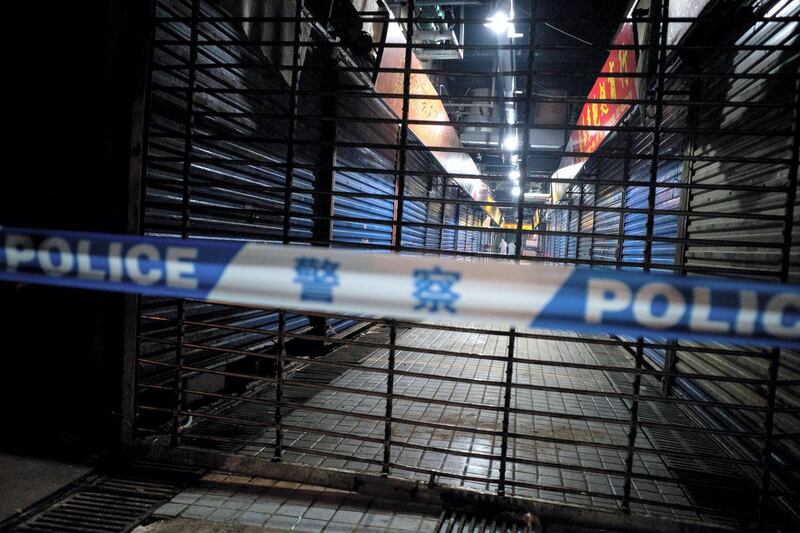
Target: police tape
409, 287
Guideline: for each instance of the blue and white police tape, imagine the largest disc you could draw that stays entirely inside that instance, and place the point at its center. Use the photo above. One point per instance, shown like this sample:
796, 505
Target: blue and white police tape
409, 287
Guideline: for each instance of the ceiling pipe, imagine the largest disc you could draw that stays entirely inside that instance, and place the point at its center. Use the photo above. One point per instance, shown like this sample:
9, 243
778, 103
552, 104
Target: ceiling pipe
506, 85
424, 3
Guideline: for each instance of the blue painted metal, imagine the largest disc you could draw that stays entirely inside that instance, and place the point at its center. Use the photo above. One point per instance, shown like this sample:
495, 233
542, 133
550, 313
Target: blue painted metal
414, 211
450, 214
366, 209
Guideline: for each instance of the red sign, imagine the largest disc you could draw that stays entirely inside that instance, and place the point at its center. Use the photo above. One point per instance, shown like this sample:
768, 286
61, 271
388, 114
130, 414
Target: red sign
607, 88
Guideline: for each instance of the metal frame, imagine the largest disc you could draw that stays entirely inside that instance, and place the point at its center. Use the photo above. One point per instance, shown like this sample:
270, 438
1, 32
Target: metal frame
217, 166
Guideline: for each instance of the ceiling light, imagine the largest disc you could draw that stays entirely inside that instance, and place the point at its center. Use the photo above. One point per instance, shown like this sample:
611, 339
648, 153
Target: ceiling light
513, 175
498, 23
511, 142
516, 190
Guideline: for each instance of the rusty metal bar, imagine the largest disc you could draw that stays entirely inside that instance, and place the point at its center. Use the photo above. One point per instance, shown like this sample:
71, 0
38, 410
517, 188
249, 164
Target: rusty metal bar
178, 397
501, 484
660, 33
279, 383
387, 441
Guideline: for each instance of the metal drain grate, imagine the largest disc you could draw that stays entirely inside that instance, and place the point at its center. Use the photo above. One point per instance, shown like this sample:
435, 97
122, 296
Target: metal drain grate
109, 502
460, 522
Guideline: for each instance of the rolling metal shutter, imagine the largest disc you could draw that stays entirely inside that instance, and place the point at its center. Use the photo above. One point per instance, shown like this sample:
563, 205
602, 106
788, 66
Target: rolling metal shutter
416, 212
366, 209
450, 218
462, 212
230, 198
558, 223
571, 224
434, 212
607, 222
744, 199
586, 197
666, 199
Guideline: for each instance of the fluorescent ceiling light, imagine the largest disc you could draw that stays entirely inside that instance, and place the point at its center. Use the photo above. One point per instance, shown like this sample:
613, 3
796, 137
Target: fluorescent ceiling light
513, 175
568, 172
516, 190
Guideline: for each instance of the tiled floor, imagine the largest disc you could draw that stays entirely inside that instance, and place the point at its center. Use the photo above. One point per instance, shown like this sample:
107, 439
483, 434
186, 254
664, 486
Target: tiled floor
470, 453
280, 506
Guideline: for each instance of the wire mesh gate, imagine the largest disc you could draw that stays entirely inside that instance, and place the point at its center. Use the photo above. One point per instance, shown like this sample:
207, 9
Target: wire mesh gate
318, 124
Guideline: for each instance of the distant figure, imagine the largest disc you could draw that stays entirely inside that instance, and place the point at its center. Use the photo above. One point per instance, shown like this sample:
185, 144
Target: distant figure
512, 248
503, 246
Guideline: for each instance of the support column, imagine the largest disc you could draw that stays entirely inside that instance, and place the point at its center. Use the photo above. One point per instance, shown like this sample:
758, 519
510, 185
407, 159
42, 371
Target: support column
324, 173
143, 52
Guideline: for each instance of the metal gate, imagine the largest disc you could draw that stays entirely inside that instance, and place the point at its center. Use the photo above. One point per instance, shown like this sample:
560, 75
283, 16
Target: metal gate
305, 124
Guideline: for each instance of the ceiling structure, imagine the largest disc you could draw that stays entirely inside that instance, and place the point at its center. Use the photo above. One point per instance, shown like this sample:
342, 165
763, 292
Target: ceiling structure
573, 23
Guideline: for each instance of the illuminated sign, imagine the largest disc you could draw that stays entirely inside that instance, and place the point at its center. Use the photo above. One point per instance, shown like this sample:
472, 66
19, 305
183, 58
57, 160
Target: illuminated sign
600, 114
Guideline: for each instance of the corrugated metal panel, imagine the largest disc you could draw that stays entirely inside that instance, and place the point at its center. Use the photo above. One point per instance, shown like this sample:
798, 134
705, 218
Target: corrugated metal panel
236, 185
666, 199
449, 215
607, 222
433, 236
373, 215
558, 243
572, 224
469, 235
229, 199
225, 201
483, 237
462, 211
365, 209
477, 235
414, 236
761, 255
561, 223
587, 220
